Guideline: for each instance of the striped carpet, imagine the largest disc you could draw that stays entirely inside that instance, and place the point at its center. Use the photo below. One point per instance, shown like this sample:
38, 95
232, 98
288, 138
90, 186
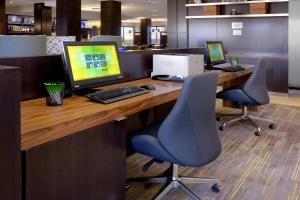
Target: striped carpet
250, 167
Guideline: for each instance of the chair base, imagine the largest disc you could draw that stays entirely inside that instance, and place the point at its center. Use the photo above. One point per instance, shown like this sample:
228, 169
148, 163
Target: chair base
244, 116
174, 181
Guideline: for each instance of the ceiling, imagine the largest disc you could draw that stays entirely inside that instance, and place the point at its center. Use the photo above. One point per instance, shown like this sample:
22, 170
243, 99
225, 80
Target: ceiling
131, 9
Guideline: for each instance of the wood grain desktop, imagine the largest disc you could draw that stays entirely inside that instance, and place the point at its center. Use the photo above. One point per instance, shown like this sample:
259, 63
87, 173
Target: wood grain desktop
41, 124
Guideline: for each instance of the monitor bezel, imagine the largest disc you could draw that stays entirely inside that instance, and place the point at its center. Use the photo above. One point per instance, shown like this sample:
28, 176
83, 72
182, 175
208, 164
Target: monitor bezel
95, 82
207, 49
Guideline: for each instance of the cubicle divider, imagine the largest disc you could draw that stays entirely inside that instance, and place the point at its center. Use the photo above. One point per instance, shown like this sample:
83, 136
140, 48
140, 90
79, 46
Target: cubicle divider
35, 71
10, 153
39, 69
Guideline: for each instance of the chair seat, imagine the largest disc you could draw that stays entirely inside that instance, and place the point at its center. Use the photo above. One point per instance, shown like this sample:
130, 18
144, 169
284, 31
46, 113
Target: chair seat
145, 141
236, 95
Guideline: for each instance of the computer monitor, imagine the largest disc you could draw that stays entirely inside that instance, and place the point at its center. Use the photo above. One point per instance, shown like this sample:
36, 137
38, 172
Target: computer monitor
91, 64
215, 52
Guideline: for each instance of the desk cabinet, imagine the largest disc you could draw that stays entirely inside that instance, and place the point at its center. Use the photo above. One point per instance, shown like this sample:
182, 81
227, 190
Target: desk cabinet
88, 165
10, 159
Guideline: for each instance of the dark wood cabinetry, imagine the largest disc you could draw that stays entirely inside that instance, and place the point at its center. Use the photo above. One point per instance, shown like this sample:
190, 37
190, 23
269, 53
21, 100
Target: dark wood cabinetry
68, 21
146, 31
88, 165
111, 18
42, 19
2, 17
10, 154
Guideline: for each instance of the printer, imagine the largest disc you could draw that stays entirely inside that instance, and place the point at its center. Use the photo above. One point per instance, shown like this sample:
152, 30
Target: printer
182, 65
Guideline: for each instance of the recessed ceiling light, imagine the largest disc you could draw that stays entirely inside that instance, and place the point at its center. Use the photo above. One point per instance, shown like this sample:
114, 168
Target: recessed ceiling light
11, 2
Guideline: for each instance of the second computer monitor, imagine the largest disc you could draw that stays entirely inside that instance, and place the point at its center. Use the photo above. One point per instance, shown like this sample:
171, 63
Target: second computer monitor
91, 64
215, 52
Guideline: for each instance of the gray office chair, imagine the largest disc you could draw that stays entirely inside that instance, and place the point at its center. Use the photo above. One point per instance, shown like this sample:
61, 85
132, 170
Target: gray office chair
253, 93
187, 137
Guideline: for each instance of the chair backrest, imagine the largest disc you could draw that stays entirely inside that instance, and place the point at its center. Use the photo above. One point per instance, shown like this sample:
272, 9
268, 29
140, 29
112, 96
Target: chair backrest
189, 132
256, 85
108, 38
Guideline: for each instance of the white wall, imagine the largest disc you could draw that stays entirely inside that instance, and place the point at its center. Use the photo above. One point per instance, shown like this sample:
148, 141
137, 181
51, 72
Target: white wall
294, 43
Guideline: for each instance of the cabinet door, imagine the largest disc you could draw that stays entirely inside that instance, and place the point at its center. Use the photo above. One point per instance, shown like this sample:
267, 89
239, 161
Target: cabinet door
10, 153
89, 165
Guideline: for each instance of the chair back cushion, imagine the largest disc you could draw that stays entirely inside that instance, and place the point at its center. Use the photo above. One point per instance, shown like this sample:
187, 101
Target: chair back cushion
256, 85
189, 132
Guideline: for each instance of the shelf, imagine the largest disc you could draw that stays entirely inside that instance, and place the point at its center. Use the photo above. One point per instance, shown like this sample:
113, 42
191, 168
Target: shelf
237, 16
20, 24
19, 33
234, 3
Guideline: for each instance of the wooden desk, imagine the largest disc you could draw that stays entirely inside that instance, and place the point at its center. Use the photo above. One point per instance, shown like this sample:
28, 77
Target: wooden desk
41, 124
79, 149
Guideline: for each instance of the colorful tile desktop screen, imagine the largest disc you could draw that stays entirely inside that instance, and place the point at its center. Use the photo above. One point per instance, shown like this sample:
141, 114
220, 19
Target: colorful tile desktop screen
89, 62
216, 52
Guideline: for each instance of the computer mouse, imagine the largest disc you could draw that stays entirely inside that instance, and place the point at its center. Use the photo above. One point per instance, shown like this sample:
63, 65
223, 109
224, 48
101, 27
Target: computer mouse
148, 87
177, 78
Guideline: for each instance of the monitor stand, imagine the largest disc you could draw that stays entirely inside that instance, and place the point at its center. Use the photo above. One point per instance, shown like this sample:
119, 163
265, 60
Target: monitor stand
85, 91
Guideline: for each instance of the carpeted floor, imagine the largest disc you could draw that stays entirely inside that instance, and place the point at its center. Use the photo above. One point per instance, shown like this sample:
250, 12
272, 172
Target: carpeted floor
250, 167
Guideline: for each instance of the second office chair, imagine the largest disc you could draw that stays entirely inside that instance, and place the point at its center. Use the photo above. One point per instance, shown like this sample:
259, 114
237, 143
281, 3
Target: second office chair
187, 137
253, 93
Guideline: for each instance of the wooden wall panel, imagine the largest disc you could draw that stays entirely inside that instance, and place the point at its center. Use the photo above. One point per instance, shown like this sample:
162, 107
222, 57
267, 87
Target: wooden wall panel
146, 31
278, 74
111, 18
87, 166
10, 153
42, 19
2, 18
37, 70
68, 18
177, 24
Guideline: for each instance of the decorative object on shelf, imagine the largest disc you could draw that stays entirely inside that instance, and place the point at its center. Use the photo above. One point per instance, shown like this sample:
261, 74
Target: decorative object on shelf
197, 1
259, 8
245, 9
211, 10
238, 16
233, 11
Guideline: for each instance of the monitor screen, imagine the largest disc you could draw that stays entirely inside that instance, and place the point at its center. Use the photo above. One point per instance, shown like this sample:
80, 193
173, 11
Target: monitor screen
216, 52
14, 19
90, 64
83, 24
28, 20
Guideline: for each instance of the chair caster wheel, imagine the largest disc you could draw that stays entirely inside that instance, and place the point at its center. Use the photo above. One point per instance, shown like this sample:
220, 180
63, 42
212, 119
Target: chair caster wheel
258, 133
272, 126
216, 188
219, 118
221, 128
127, 187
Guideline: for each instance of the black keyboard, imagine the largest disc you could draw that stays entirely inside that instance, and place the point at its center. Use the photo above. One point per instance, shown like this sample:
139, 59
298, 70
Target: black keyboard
116, 94
234, 68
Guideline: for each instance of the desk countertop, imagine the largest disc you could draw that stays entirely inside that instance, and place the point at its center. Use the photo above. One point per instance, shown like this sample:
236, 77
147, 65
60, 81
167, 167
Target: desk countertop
41, 124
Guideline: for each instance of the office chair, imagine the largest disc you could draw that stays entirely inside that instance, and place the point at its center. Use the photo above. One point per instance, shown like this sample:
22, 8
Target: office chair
253, 93
187, 137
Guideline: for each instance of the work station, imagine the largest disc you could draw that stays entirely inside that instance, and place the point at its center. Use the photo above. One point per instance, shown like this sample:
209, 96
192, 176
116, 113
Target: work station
137, 100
